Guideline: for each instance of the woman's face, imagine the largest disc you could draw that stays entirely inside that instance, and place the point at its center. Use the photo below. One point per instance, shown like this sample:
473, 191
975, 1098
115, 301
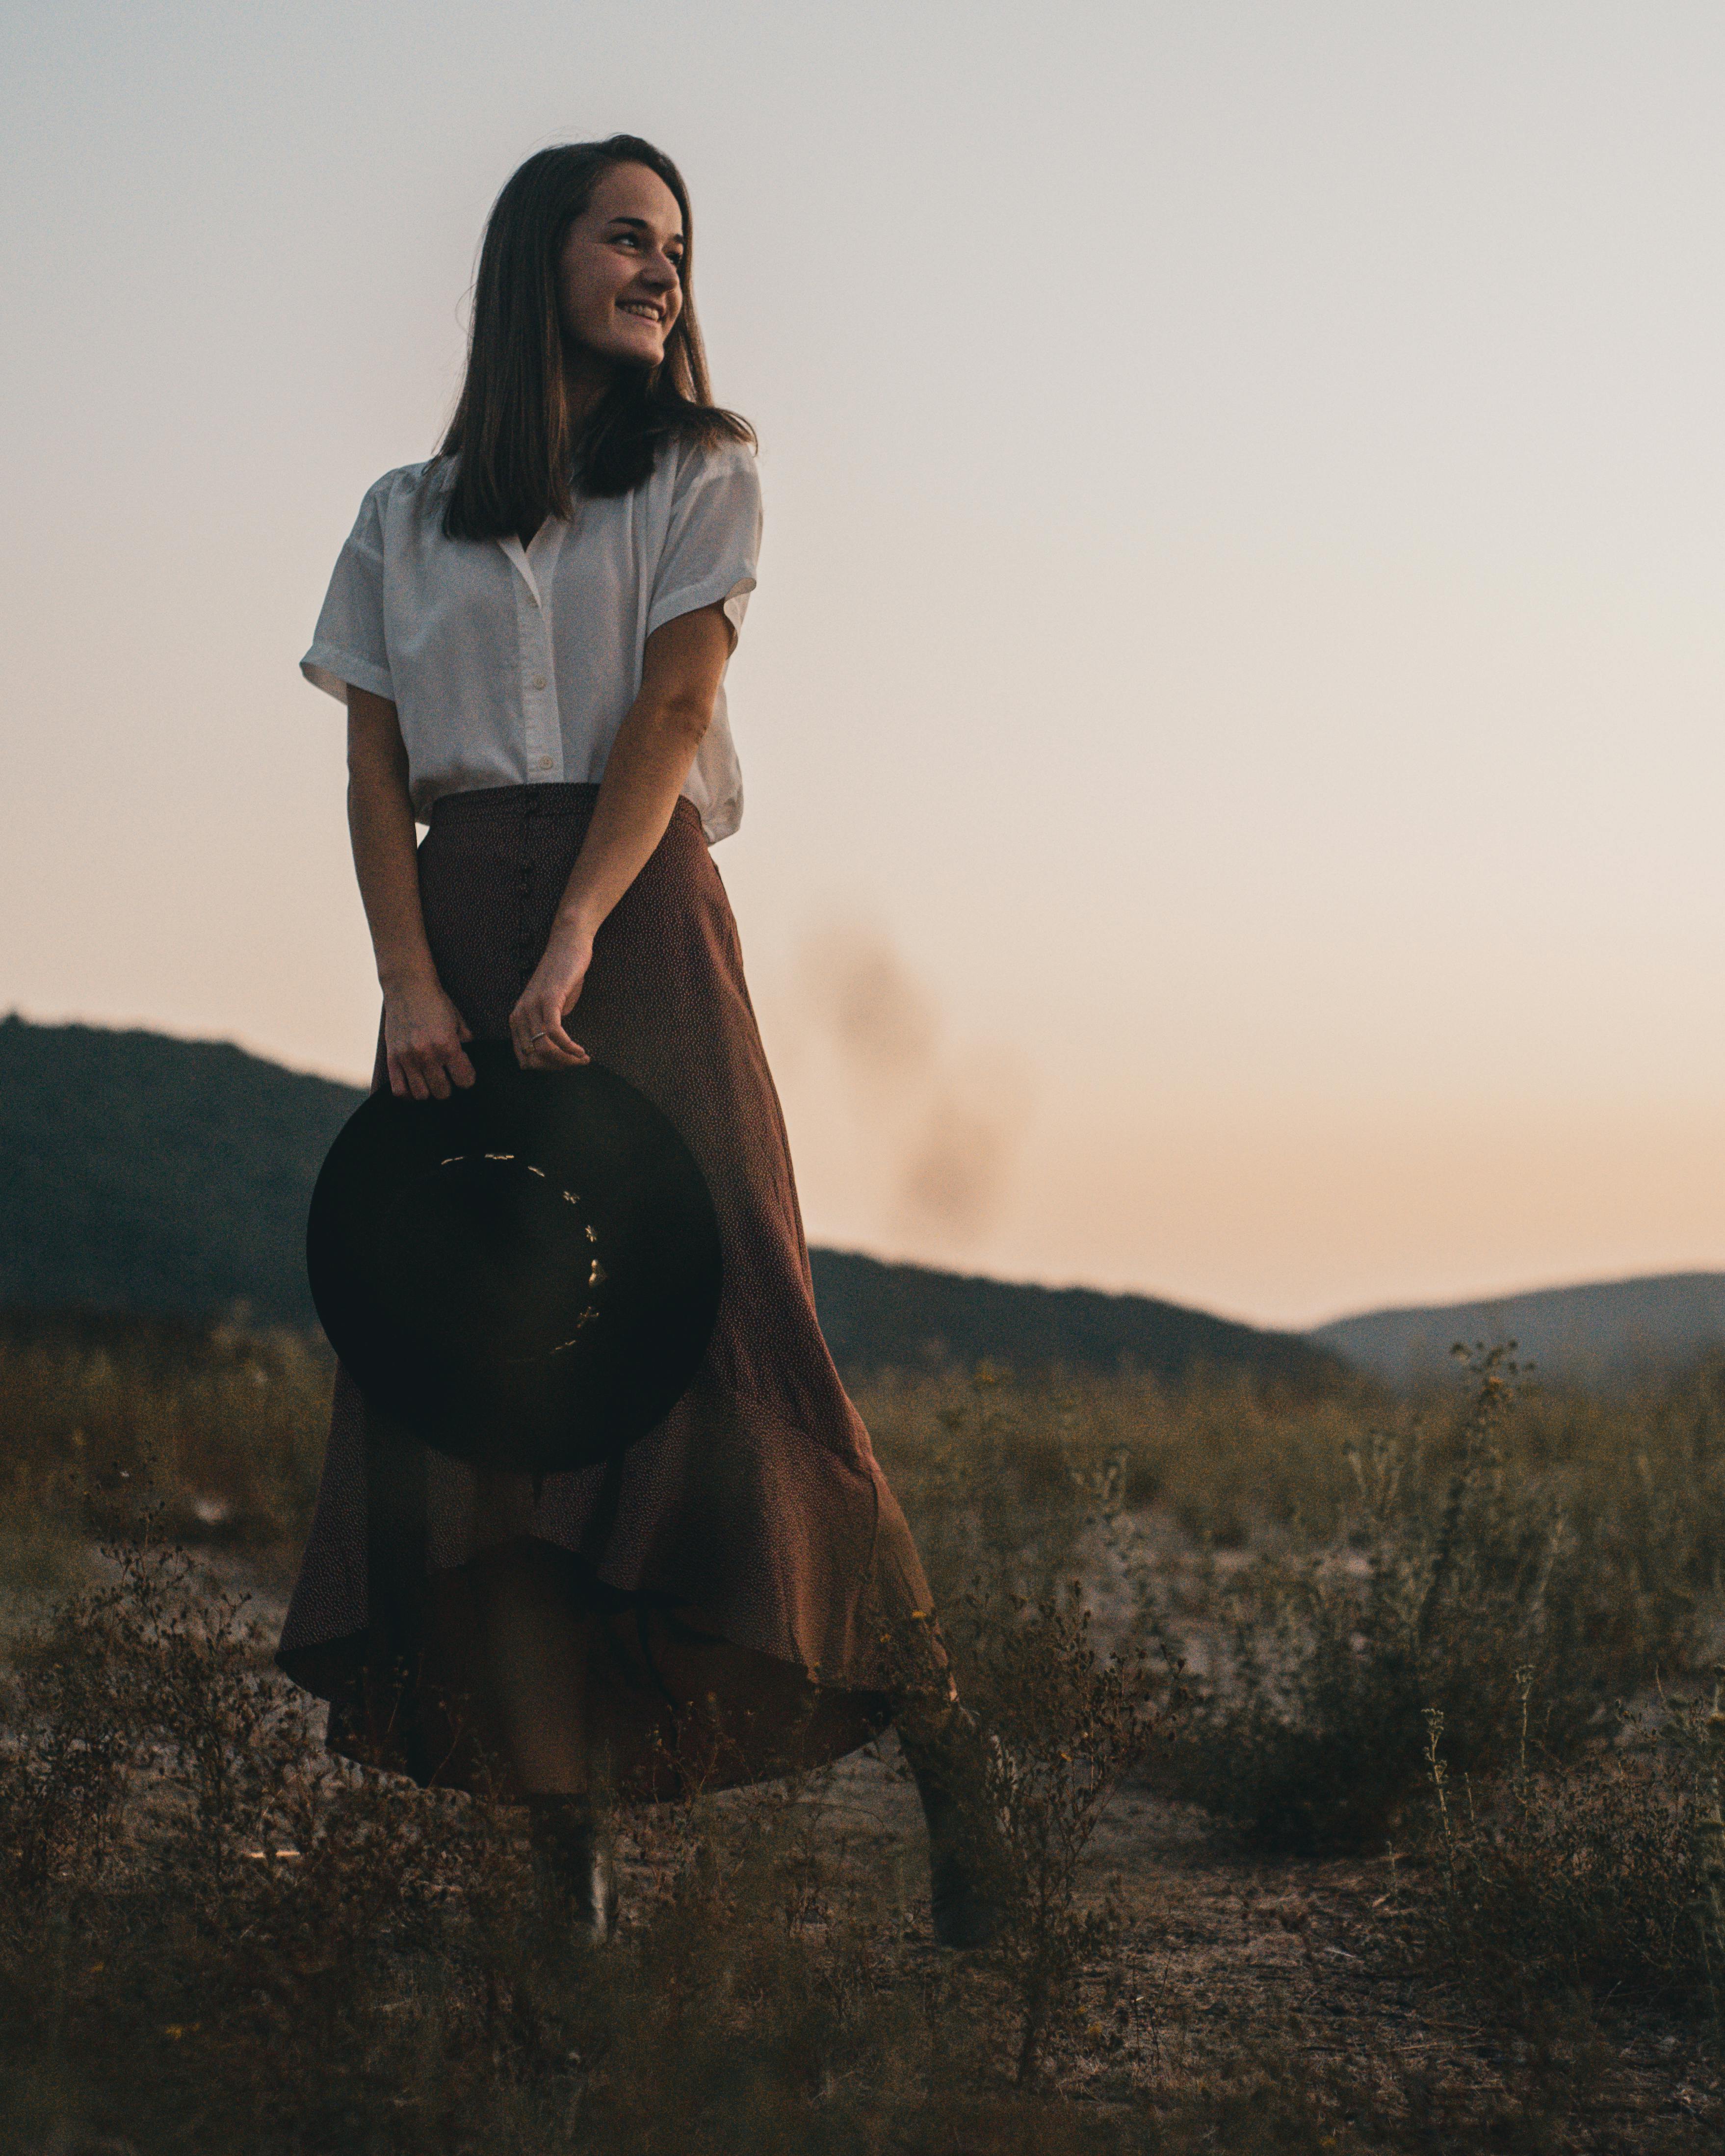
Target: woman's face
620, 276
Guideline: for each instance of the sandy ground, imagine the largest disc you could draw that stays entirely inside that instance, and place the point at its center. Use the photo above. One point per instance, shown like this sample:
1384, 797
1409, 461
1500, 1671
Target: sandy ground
1235, 1968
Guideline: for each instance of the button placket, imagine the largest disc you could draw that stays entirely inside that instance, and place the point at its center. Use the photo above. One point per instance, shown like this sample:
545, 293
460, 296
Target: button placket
535, 678
542, 724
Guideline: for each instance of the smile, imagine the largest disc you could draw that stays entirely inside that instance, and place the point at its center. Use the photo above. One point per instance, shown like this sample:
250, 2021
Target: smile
642, 308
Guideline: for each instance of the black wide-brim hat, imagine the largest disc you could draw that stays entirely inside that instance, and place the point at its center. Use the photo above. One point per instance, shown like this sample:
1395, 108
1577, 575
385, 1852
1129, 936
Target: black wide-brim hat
524, 1274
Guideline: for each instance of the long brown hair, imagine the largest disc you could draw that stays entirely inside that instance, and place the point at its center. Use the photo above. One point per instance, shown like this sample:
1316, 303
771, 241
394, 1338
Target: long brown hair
510, 445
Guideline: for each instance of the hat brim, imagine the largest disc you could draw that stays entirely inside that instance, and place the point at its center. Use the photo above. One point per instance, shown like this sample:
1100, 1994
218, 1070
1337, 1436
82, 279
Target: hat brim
539, 1326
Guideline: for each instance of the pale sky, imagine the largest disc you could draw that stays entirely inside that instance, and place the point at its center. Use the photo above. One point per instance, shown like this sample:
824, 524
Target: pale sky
1231, 718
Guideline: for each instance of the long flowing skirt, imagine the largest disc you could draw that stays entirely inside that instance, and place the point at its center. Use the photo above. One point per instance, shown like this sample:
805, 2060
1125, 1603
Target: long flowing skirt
751, 1580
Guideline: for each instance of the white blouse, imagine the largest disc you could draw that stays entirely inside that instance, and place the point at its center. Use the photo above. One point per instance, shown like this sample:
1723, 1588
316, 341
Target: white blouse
511, 666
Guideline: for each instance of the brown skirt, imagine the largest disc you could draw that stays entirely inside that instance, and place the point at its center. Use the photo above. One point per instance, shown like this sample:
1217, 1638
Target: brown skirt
752, 1580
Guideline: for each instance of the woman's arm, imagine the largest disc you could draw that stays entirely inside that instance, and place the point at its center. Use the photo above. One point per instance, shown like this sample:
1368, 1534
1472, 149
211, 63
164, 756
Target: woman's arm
422, 1031
681, 669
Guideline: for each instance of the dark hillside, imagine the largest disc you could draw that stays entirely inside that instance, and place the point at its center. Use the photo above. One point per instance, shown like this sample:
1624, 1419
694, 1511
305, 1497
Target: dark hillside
142, 1173
877, 1314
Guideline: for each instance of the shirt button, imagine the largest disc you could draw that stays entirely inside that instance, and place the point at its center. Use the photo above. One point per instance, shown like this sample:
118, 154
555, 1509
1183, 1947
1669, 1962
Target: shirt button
538, 680
541, 763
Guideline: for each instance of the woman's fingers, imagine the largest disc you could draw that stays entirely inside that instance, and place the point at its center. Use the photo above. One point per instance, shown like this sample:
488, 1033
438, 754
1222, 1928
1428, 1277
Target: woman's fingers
454, 1055
426, 1069
424, 1033
537, 1024
542, 1041
427, 1079
547, 1047
558, 1049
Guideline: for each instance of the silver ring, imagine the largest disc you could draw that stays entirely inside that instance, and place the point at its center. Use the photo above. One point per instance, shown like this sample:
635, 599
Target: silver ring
532, 1037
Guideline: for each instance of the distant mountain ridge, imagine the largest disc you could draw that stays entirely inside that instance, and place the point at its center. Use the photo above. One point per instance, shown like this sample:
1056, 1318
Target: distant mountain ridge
903, 1317
1609, 1331
144, 1174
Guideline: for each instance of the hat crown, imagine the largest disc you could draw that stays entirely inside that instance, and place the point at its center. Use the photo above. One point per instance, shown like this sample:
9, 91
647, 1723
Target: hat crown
491, 1251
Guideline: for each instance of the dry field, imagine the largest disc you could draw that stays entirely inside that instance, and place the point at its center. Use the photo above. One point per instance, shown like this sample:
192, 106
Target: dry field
1358, 1762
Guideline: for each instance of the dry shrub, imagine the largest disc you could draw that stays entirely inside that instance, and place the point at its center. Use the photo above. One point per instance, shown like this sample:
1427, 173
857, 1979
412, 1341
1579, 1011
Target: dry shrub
234, 1905
1602, 1879
1052, 1728
1463, 1569
214, 1936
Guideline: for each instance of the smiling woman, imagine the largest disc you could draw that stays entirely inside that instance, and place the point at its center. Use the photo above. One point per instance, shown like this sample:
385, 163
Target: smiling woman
583, 328
530, 633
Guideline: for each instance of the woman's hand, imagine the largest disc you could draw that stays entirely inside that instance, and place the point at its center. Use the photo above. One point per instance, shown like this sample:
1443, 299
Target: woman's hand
536, 1024
423, 1033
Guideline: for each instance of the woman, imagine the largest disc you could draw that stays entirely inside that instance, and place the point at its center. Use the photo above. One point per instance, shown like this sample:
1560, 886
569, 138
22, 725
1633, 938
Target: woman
530, 633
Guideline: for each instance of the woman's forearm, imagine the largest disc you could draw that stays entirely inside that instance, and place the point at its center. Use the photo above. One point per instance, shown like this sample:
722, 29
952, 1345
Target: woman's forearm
681, 669
649, 760
380, 822
422, 1031
644, 775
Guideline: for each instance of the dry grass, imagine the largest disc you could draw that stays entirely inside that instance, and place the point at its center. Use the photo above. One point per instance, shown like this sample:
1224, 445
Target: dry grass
225, 1426
213, 1937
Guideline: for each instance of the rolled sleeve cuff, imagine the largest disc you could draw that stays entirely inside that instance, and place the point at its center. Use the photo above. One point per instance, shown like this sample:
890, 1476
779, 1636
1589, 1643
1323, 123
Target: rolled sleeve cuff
327, 667
725, 585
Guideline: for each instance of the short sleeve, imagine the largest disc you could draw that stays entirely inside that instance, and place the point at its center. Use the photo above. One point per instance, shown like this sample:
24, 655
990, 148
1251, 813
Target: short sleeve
713, 538
349, 645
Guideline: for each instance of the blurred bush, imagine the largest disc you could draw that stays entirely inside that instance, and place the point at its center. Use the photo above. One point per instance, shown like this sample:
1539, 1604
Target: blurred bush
225, 1424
